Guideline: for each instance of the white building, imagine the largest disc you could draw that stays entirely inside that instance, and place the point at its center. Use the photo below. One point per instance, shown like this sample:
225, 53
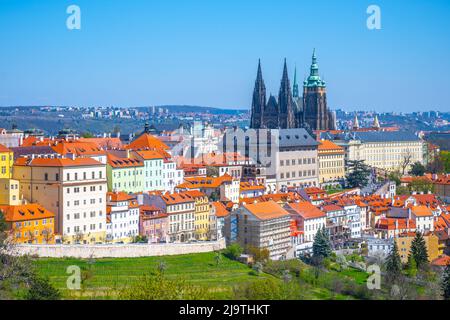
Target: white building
74, 189
171, 175
122, 217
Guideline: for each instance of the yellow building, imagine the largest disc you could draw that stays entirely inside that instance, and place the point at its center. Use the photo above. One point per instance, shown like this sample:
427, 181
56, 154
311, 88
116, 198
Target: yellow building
201, 215
30, 223
331, 162
404, 245
6, 162
9, 192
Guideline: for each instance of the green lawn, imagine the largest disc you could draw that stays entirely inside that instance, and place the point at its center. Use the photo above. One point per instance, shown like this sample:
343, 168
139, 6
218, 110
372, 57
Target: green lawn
110, 274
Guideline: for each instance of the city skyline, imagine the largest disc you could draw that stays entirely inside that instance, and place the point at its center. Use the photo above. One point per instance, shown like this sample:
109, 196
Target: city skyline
207, 54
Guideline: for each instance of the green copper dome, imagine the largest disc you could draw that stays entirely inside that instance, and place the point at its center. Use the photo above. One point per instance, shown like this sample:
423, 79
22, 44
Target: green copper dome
314, 79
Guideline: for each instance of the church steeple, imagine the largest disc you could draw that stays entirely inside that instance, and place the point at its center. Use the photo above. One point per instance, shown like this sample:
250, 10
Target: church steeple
356, 122
285, 101
295, 92
259, 99
314, 79
376, 123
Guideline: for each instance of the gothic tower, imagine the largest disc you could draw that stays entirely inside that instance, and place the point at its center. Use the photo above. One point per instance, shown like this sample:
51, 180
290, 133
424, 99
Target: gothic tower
316, 113
258, 101
286, 118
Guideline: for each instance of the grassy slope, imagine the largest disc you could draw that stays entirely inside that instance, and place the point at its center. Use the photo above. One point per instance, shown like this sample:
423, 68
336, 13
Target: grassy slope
200, 269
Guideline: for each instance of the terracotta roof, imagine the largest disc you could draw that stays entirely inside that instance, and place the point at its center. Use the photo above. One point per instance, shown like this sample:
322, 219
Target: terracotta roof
442, 261
266, 210
117, 162
422, 211
25, 212
4, 149
195, 193
205, 182
147, 141
104, 143
331, 207
149, 154
119, 196
175, 198
77, 148
245, 186
57, 162
221, 210
306, 210
390, 224
327, 145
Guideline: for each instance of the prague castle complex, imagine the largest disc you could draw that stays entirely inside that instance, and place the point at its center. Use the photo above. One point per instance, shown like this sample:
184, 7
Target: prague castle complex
290, 110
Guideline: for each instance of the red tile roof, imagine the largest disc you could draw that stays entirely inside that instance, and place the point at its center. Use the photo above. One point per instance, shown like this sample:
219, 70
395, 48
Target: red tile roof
266, 210
25, 212
306, 210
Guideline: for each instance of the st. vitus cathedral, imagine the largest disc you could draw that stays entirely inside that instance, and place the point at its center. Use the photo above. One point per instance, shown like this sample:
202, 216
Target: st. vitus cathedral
291, 110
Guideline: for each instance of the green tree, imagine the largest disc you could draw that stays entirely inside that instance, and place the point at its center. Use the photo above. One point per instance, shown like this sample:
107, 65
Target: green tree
412, 267
358, 174
396, 177
445, 285
417, 169
259, 255
321, 244
41, 289
87, 135
233, 251
159, 287
421, 185
393, 264
419, 251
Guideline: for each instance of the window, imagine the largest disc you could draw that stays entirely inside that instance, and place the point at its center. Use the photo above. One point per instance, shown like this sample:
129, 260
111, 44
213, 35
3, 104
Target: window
46, 176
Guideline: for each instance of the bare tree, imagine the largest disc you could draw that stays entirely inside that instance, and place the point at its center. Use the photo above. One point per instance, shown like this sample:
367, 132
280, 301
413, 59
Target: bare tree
406, 161
48, 235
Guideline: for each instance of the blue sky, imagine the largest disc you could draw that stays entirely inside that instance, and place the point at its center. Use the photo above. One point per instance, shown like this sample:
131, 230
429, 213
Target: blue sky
205, 52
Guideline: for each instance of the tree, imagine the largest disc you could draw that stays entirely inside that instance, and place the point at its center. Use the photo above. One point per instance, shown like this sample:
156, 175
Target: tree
233, 251
396, 177
419, 251
41, 289
406, 161
393, 264
159, 287
445, 285
87, 135
217, 258
412, 267
421, 185
321, 245
259, 255
358, 174
417, 169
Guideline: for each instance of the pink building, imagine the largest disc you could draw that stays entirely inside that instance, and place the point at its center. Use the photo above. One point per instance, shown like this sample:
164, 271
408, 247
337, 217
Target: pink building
153, 224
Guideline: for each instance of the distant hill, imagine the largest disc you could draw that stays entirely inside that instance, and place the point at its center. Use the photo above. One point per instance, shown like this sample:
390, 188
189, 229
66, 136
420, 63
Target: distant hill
212, 110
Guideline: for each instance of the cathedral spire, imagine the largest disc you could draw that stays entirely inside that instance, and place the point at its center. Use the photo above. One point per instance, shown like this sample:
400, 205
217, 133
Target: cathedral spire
285, 101
356, 122
295, 92
259, 99
376, 123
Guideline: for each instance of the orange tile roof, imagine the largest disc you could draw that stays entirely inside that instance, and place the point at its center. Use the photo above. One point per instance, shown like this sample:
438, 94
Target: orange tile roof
57, 162
119, 196
25, 212
205, 182
77, 148
104, 143
421, 211
246, 186
389, 224
442, 261
221, 210
147, 142
117, 162
195, 193
307, 210
266, 210
150, 154
176, 198
331, 207
327, 145
4, 149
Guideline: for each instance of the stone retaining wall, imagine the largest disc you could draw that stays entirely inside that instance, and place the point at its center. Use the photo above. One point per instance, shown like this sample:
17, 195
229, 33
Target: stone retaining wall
118, 250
